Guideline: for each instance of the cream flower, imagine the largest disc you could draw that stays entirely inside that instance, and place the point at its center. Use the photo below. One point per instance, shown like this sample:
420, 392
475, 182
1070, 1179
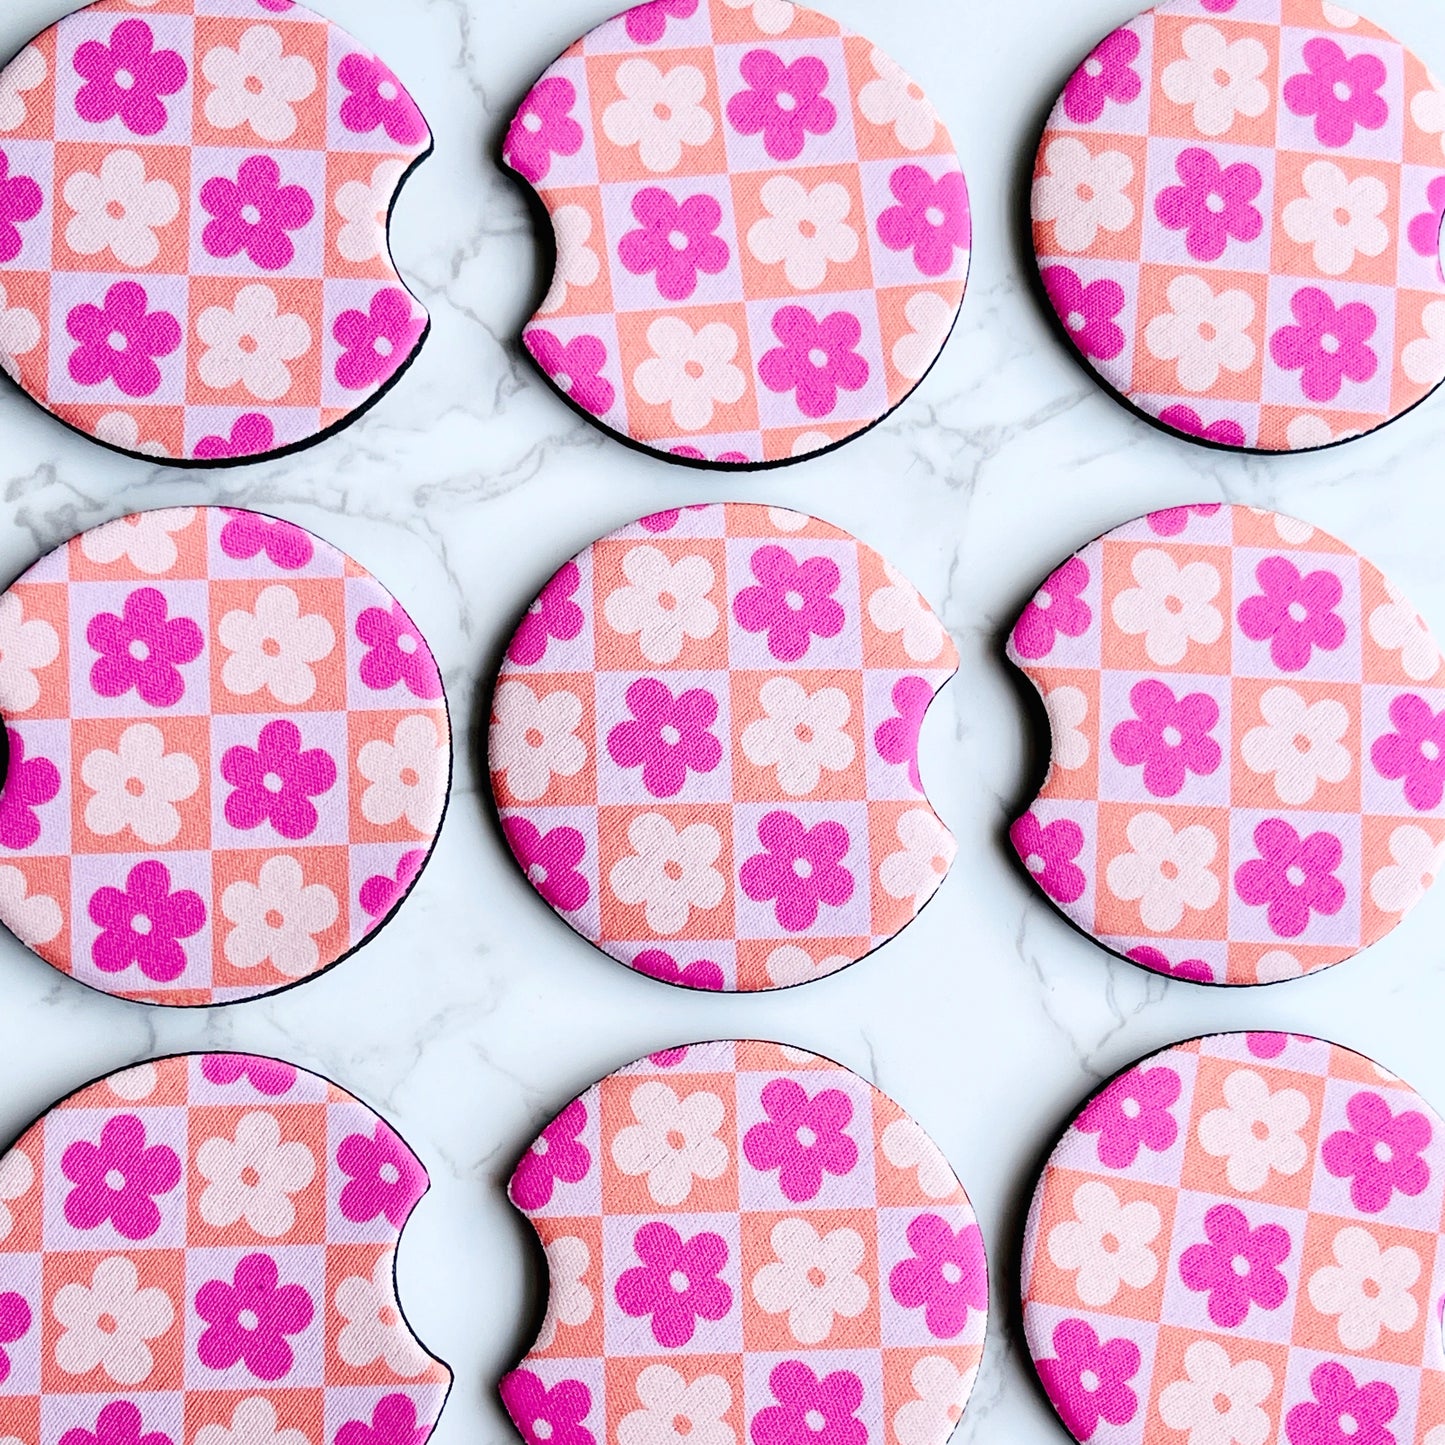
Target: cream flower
257, 84
121, 429
669, 871
274, 647
28, 645
34, 918
277, 919
1277, 965
1367, 1289
253, 1176
17, 1174
673, 1142
137, 786
660, 112
119, 210
1171, 607
19, 334
789, 965
1423, 360
802, 735
690, 372
906, 1146
1083, 194
1427, 110
772, 17
914, 872
1399, 886
1257, 1132
25, 73
143, 539
894, 98
930, 319
898, 609
1067, 707
809, 442
1339, 217
804, 230
675, 1412
1167, 872
363, 207
534, 739
1106, 1244
940, 1392
374, 1329
1307, 432
1298, 745
1203, 333
569, 1298
250, 345
578, 264
813, 1279
109, 1323
664, 603
134, 1084
1397, 627
1219, 79
253, 1422
407, 777
1218, 1402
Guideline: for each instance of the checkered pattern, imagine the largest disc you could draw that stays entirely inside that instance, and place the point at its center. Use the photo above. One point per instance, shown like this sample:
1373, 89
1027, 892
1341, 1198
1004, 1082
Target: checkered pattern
1242, 1234
128, 1214
813, 1253
704, 747
763, 231
1237, 217
229, 756
1247, 726
193, 213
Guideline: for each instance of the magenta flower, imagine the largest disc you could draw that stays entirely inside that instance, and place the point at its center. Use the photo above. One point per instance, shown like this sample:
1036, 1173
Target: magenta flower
931, 218
575, 368
1294, 612
1087, 1381
120, 340
543, 1416
383, 1178
1414, 752
254, 213
143, 649
14, 1325
116, 1181
251, 435
1108, 74
248, 534
1328, 345
702, 973
30, 783
1048, 852
248, 1320
667, 737
1089, 313
1237, 1268
376, 343
1343, 1413
783, 103
1424, 232
1168, 736
896, 738
550, 861
800, 868
396, 652
1339, 92
383, 891
20, 200
558, 1153
646, 24
1293, 876
119, 1423
393, 1422
677, 1282
1132, 1113
819, 1411
660, 522
1171, 521
378, 99
792, 601
542, 128
127, 78
143, 925
1193, 969
946, 1277
266, 1076
1186, 420
676, 239
1059, 608
803, 1138
553, 614
817, 358
1379, 1153
275, 781
1213, 204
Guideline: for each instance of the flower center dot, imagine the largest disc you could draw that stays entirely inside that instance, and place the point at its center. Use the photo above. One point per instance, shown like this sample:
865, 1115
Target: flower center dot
274, 919
383, 346
1295, 874
542, 1429
410, 777
125, 79
1077, 321
816, 1277
541, 1146
670, 735
818, 357
564, 382
250, 1177
806, 1137
1090, 1381
662, 111
1215, 202
406, 643
254, 85
272, 782
681, 1425
134, 787
1348, 1424
115, 210
1383, 1152
1173, 605
678, 1280
934, 216
107, 1324
1172, 737
139, 649
1430, 750
141, 924
1240, 1265
1297, 611
389, 1173
794, 600
1342, 90
1130, 1108
248, 1320
532, 122
1044, 601
1035, 863
677, 240
814, 1421
386, 90
672, 870
1329, 343
1093, 68
802, 867
538, 874
251, 215
676, 1140
116, 341
787, 100
694, 369
271, 647
951, 1272
533, 737
114, 1179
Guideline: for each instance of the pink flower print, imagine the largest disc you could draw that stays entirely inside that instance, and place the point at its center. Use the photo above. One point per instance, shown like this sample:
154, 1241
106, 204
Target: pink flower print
1294, 612
667, 737
1328, 346
14, 1325
119, 1423
783, 103
377, 342
897, 737
248, 1320
1058, 609
116, 1180
30, 783
248, 534
1340, 93
251, 435
946, 1277
1193, 969
792, 601
120, 340
1089, 313
1088, 1381
20, 200
1048, 852
1132, 1113
1186, 420
702, 974
1212, 205
1414, 752
575, 368
1343, 1413
550, 861
396, 652
803, 1138
1171, 521
677, 1282
1108, 74
393, 1422
646, 24
542, 128
676, 239
1237, 1268
553, 614
255, 213
557, 1154
378, 99
800, 868
143, 925
267, 1076
383, 1179
1169, 736
275, 781
931, 218
1266, 1046
127, 78
1379, 1153
547, 1417
1293, 876
143, 649
660, 522
819, 1411
1424, 232
817, 358
383, 891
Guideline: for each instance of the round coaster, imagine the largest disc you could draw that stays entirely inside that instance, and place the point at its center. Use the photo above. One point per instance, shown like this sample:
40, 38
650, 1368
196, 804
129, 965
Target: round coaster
1237, 210
1247, 746
200, 1249
762, 229
747, 1242
704, 747
1237, 1240
193, 226
229, 756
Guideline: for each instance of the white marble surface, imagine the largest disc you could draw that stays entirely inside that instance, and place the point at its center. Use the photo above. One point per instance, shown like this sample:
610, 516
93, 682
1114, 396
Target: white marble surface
476, 1015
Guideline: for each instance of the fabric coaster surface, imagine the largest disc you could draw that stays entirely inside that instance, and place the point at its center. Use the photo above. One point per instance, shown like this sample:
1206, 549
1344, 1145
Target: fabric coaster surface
193, 226
747, 1242
704, 747
1247, 746
199, 1251
1237, 210
1239, 1240
762, 229
229, 756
